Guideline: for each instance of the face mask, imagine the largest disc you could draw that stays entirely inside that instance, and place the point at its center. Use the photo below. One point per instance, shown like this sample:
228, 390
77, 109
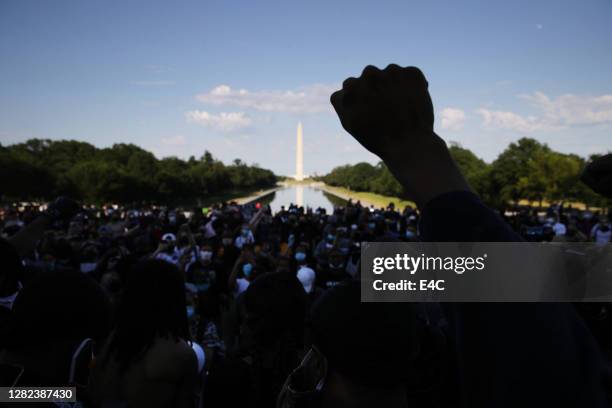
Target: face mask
300, 256
87, 267
409, 234
227, 241
190, 312
330, 237
207, 255
247, 268
245, 232
371, 225
354, 227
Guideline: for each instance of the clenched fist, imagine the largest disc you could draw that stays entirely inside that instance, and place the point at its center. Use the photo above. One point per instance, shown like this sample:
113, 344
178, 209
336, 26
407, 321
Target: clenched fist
598, 175
385, 108
391, 114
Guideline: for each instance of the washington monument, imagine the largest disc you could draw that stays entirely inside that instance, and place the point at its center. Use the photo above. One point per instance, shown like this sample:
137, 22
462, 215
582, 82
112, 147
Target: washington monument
299, 154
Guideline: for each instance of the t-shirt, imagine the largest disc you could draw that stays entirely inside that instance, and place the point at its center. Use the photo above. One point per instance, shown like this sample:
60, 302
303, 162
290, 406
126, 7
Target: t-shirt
520, 342
241, 286
172, 257
600, 234
559, 228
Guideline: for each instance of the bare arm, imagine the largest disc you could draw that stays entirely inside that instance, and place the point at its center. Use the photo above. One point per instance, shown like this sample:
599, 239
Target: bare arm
26, 239
391, 114
231, 281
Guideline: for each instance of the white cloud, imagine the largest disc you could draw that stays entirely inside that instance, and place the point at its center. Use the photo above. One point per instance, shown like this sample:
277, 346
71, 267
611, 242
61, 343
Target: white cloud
310, 99
177, 140
563, 112
224, 121
539, 26
495, 119
452, 118
573, 110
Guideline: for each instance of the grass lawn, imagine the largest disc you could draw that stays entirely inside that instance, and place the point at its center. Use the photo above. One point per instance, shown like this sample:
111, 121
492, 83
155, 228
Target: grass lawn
370, 198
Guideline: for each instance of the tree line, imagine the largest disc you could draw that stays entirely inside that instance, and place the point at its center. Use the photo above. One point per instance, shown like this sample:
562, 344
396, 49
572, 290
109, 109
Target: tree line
526, 169
41, 169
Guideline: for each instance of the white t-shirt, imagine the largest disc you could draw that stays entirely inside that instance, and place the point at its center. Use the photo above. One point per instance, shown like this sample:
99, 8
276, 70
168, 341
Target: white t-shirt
241, 285
242, 240
172, 257
307, 277
601, 237
559, 228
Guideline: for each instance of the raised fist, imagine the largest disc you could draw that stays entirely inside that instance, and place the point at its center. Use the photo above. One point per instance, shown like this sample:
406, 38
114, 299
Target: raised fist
385, 109
598, 175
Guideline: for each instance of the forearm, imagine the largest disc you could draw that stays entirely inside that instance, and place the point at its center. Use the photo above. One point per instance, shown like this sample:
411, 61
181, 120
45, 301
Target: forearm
424, 176
25, 241
231, 282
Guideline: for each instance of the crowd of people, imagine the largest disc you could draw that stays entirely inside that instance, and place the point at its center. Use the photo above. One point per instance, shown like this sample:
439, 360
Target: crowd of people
236, 306
234, 283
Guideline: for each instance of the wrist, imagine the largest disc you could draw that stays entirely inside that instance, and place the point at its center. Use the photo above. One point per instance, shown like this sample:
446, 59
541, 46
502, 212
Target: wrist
424, 167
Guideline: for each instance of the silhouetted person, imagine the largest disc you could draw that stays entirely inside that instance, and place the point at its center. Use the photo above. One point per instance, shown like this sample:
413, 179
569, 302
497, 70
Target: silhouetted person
509, 355
147, 360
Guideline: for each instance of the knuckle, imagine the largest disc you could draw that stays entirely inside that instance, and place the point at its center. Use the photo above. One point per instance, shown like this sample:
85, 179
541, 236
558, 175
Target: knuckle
349, 82
393, 68
370, 70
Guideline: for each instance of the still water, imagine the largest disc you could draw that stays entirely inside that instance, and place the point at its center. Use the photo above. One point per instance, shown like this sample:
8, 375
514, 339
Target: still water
305, 196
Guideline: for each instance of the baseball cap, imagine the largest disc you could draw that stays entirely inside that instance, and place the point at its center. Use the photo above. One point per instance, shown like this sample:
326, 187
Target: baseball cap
168, 237
306, 276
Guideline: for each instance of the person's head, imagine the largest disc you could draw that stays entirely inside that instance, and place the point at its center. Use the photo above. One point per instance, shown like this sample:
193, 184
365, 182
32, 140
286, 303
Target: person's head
206, 253
248, 270
169, 241
266, 248
12, 269
336, 260
275, 308
245, 230
183, 241
227, 238
152, 305
60, 305
300, 255
274, 302
369, 347
201, 275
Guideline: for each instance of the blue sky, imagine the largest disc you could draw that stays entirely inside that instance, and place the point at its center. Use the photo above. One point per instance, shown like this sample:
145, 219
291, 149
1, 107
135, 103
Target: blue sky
235, 77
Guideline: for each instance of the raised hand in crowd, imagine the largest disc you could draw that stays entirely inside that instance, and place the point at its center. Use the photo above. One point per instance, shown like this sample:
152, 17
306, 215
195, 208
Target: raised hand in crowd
391, 114
598, 175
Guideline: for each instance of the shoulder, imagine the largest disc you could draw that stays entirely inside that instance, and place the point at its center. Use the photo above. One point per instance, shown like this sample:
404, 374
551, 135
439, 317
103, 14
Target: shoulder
170, 358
